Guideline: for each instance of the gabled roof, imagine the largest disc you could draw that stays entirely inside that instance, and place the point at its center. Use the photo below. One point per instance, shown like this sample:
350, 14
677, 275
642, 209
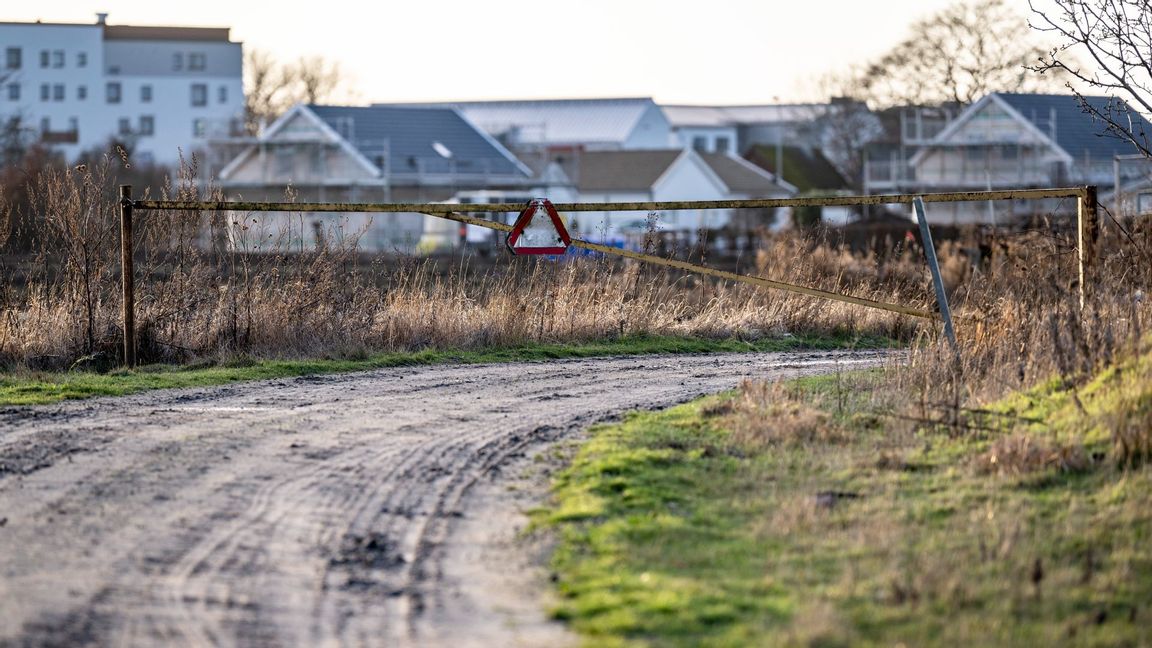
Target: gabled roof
1058, 120
806, 169
556, 121
743, 177
1064, 120
623, 170
715, 116
431, 140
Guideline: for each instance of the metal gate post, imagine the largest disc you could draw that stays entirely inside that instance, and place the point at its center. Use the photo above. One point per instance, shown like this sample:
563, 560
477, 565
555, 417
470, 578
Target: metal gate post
127, 275
1087, 234
937, 280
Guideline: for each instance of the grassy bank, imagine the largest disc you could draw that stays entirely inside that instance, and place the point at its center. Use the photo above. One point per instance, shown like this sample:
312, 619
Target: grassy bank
796, 515
29, 388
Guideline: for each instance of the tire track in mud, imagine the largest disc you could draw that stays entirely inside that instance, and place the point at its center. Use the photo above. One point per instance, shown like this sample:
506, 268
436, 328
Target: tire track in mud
379, 508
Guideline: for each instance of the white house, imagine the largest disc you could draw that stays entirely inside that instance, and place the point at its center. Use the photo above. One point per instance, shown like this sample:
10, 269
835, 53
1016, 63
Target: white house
658, 175
158, 91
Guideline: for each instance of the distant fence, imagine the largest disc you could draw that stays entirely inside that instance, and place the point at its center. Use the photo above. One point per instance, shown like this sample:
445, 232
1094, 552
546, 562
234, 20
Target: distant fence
1087, 228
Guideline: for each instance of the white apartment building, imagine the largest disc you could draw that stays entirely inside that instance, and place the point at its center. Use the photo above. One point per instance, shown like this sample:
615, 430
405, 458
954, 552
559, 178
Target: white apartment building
159, 91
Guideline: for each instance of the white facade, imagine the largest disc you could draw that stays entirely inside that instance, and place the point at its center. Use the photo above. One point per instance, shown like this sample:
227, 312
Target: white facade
687, 178
158, 90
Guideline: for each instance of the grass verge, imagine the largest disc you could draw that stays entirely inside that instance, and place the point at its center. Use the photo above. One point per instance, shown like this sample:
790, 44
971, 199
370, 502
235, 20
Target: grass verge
793, 515
35, 388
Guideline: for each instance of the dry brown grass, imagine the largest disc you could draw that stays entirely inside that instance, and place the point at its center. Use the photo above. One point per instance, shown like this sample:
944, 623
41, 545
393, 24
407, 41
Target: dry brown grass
203, 293
766, 414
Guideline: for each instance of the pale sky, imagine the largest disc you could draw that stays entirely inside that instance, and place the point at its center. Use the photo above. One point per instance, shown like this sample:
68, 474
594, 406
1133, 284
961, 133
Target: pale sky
715, 52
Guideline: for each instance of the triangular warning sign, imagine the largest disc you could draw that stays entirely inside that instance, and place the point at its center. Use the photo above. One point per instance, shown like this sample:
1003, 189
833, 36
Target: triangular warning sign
539, 230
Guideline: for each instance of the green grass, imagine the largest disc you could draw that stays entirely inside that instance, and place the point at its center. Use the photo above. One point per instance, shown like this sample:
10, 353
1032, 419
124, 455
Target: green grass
671, 533
34, 388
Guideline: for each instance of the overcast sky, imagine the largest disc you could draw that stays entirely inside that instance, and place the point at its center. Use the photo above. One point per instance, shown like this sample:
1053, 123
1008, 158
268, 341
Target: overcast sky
720, 51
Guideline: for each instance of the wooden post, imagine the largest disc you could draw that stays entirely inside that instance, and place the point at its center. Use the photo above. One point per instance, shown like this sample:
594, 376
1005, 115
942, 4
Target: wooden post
127, 276
934, 266
1087, 235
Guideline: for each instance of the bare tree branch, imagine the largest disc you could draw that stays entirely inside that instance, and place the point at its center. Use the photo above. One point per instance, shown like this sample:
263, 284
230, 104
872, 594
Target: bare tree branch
274, 87
1116, 35
960, 54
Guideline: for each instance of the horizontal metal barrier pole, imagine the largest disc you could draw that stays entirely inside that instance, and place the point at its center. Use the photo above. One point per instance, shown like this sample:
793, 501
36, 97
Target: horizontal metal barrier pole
437, 209
711, 272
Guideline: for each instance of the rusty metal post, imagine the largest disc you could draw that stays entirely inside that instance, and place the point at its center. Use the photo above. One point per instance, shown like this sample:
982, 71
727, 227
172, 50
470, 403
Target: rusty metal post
127, 275
1087, 235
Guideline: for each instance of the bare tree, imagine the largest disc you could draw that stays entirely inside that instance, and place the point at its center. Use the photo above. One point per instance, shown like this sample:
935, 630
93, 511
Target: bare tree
969, 49
274, 87
1116, 36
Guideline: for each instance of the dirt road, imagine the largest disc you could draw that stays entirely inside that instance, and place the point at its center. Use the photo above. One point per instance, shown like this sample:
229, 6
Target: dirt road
378, 508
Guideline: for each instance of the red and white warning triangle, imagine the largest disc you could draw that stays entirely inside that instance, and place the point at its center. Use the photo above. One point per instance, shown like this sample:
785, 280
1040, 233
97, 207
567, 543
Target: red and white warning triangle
539, 230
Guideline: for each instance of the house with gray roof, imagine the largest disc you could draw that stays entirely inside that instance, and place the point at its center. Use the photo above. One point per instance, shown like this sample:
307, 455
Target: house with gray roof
659, 175
370, 154
594, 124
1009, 141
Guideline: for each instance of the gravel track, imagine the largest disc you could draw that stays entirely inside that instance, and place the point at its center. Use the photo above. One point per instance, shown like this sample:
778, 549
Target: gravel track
377, 508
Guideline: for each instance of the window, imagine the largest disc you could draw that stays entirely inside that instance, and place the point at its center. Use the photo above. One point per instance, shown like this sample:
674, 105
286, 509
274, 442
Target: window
73, 125
45, 92
14, 92
58, 92
12, 58
113, 69
199, 94
81, 59
196, 61
222, 94
722, 145
125, 126
43, 58
81, 92
146, 93
147, 124
112, 92
285, 161
700, 143
45, 124
178, 61
57, 58
197, 128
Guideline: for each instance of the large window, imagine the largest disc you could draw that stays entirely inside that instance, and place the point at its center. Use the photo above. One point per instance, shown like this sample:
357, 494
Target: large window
199, 94
57, 58
196, 61
722, 145
58, 92
12, 58
14, 92
147, 124
112, 92
125, 126
198, 128
178, 61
